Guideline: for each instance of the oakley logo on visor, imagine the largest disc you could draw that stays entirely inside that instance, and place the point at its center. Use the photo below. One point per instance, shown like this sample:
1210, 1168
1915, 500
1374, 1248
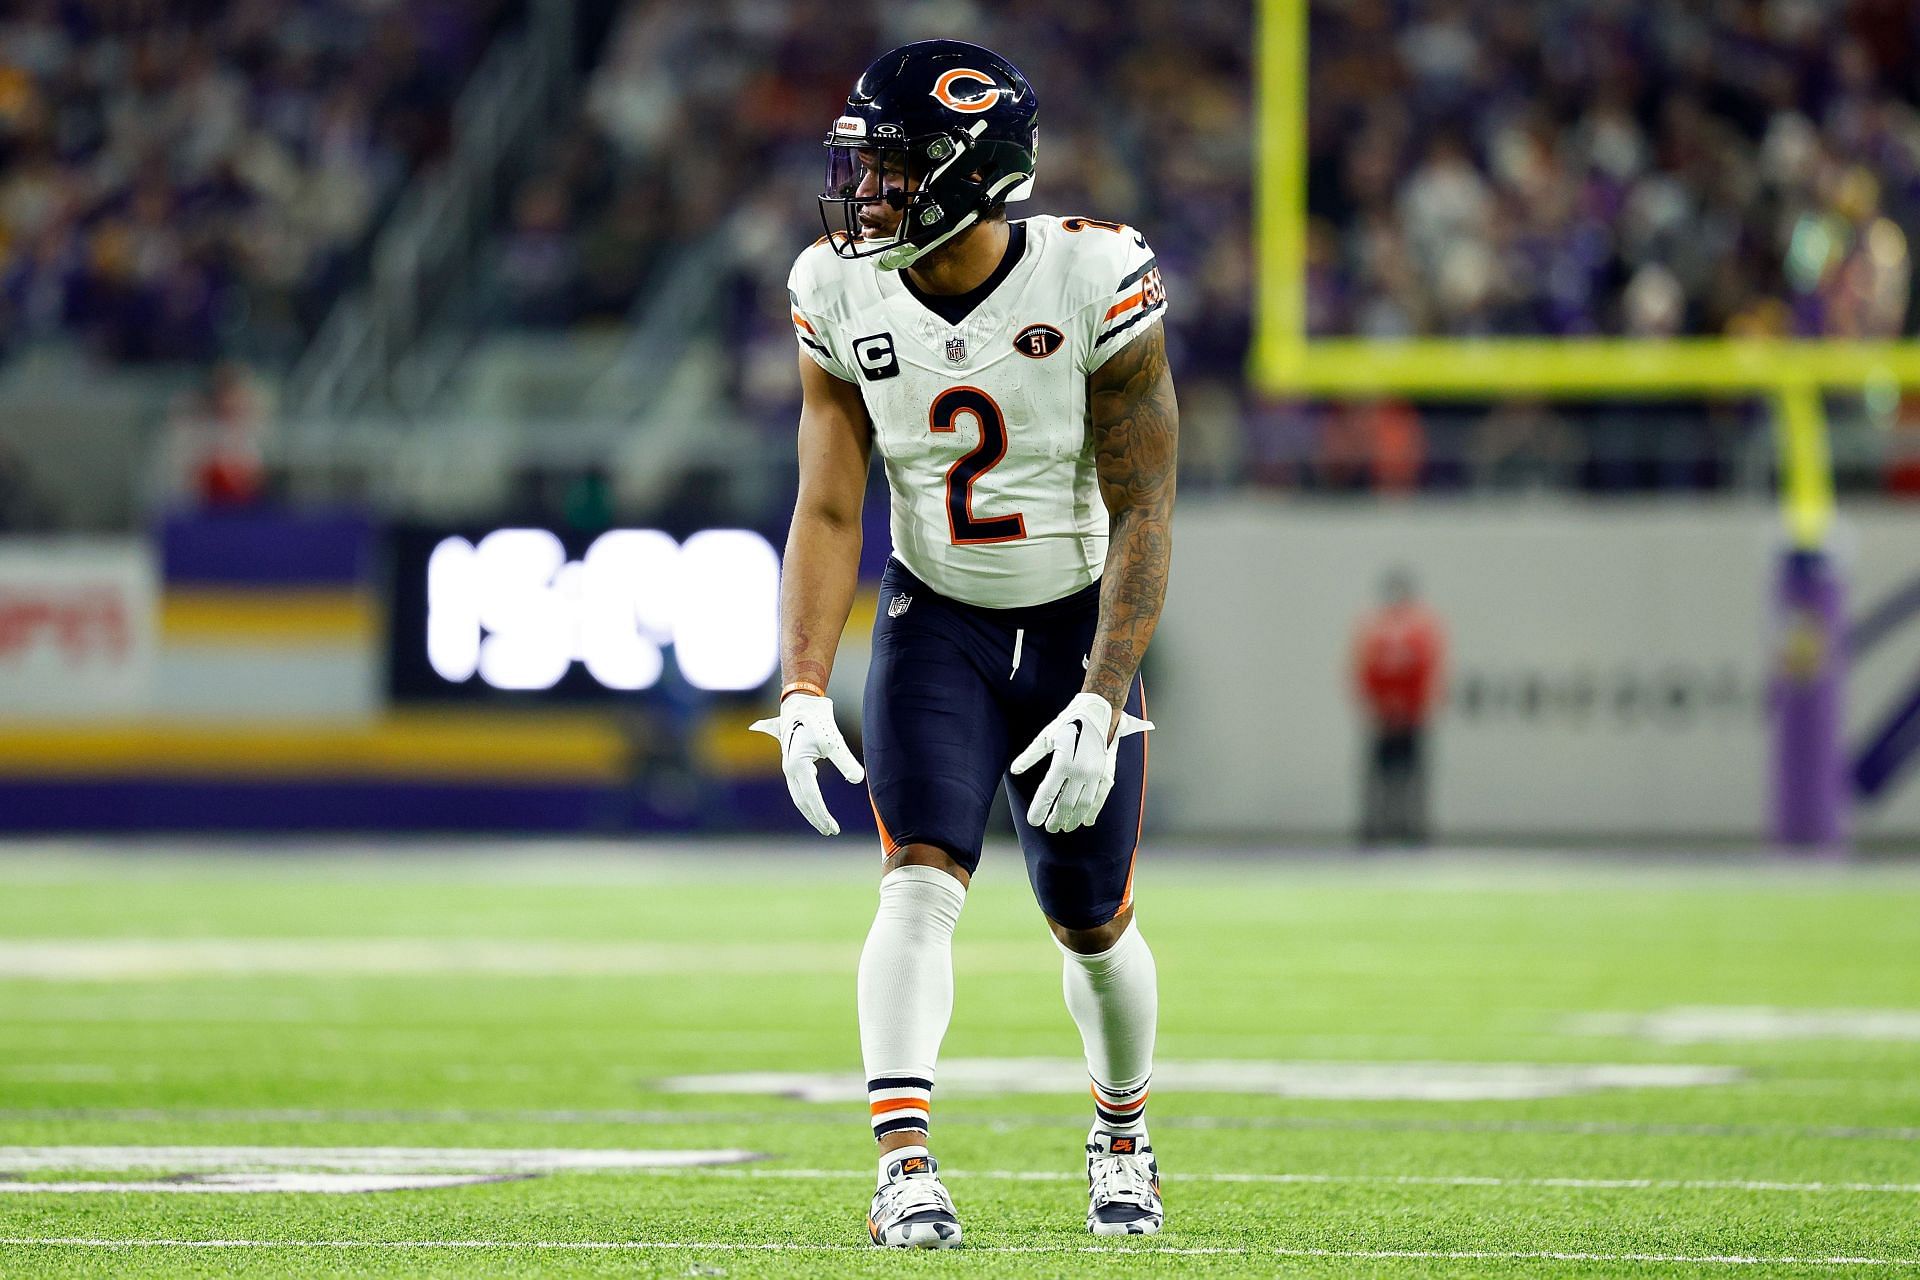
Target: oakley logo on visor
968, 98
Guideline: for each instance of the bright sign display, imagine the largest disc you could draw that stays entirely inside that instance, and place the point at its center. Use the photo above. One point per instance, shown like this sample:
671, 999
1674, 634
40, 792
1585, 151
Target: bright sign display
514, 612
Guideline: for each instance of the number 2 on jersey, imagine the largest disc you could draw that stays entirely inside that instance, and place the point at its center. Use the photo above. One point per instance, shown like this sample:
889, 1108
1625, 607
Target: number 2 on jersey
963, 528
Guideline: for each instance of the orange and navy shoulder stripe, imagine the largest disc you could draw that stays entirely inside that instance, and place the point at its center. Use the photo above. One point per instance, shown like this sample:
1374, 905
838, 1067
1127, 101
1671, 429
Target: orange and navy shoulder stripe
803, 328
1140, 297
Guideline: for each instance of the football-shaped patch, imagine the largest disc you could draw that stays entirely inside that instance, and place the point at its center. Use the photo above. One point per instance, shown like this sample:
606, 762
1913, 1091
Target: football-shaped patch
1038, 341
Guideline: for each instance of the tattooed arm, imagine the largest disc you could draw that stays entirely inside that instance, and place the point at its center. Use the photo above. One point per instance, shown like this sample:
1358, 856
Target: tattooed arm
1136, 431
822, 562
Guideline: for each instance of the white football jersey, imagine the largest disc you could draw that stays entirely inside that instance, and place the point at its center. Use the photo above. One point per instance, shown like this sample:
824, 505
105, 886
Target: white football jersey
983, 423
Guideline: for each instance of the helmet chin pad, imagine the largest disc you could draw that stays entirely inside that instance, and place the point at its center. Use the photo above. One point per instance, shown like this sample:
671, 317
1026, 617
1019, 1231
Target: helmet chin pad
900, 257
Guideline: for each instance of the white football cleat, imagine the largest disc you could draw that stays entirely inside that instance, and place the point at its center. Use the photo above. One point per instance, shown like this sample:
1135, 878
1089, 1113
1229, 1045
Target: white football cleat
1123, 1186
911, 1210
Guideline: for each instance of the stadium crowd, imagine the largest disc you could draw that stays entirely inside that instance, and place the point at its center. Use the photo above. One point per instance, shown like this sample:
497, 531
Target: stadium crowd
1573, 168
196, 179
185, 178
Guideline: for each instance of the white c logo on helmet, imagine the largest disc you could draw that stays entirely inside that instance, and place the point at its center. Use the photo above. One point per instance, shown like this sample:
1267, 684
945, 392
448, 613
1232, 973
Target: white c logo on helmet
979, 101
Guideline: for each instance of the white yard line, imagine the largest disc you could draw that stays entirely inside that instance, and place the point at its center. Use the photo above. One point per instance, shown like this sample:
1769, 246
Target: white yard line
615, 1246
74, 1073
168, 959
1372, 1179
1707, 1024
361, 1160
337, 1184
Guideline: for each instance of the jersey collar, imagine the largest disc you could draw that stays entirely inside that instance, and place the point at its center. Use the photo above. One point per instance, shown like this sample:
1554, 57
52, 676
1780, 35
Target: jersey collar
955, 307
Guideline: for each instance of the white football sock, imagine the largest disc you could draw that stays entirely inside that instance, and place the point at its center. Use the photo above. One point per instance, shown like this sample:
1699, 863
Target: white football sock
1115, 1000
906, 993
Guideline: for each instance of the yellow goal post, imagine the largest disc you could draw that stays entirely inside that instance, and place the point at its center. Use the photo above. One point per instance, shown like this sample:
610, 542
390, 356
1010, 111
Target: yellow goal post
1285, 361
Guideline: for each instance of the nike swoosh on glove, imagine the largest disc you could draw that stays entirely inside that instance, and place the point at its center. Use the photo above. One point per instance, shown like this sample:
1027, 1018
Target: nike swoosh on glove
806, 732
1081, 774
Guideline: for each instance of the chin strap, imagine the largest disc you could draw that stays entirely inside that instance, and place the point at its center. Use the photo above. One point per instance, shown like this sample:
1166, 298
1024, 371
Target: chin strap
905, 255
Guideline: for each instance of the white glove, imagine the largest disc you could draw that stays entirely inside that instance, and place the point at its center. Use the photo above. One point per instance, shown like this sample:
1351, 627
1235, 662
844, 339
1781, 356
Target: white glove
806, 733
1083, 765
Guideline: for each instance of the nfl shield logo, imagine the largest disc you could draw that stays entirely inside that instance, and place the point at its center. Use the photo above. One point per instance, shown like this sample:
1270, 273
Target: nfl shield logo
956, 350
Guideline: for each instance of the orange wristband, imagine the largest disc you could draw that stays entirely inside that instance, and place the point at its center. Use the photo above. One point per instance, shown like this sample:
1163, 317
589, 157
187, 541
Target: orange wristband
801, 686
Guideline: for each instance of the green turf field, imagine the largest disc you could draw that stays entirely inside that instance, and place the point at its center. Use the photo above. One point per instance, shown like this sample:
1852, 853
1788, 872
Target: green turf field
1382, 1066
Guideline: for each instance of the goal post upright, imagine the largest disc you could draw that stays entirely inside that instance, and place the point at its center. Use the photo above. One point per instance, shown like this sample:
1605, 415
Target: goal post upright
1280, 192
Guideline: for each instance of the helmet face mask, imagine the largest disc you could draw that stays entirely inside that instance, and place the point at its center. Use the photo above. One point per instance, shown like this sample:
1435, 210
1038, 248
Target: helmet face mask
864, 178
940, 131
860, 174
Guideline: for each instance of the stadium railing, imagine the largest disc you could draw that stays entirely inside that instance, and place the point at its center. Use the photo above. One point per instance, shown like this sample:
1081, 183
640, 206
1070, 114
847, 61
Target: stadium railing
441, 218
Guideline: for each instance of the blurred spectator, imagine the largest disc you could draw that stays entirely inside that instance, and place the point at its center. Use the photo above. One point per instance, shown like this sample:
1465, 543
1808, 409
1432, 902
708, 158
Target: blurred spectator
23, 508
1523, 445
1903, 452
1372, 444
538, 271
1399, 658
216, 438
617, 248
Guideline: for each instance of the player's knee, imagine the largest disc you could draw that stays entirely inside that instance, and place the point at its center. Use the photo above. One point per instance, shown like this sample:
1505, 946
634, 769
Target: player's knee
925, 855
1092, 941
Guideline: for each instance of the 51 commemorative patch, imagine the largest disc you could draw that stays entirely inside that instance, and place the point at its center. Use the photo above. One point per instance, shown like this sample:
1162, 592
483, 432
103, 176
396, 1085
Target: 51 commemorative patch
1038, 341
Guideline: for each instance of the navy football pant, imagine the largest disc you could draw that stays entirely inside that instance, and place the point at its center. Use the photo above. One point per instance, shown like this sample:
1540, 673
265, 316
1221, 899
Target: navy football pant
954, 692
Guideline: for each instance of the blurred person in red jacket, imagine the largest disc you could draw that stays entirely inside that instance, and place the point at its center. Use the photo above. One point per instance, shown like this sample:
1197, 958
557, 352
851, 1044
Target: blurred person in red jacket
1399, 656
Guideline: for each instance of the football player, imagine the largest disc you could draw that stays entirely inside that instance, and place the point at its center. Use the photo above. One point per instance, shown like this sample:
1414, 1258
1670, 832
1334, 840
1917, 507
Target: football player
1013, 378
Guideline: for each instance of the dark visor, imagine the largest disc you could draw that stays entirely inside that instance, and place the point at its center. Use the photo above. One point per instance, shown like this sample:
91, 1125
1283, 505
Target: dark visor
850, 167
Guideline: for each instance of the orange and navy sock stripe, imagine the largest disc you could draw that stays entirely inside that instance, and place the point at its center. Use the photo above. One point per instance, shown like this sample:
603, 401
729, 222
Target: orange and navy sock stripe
1120, 1108
900, 1104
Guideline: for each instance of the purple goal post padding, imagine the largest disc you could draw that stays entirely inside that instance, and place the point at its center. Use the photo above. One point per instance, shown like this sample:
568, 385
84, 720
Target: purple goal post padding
1810, 783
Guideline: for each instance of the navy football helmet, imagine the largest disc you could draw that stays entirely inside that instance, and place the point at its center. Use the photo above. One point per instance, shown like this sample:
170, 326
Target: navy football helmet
941, 130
